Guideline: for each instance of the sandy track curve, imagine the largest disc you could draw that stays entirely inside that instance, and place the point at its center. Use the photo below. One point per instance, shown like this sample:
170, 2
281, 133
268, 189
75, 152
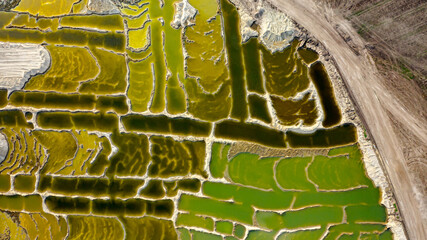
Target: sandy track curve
372, 101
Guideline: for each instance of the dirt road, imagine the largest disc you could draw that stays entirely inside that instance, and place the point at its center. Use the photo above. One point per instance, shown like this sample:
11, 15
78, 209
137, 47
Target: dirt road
373, 102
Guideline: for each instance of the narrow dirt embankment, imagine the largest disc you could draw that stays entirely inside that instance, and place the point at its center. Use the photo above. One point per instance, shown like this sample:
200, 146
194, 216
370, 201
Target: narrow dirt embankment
373, 102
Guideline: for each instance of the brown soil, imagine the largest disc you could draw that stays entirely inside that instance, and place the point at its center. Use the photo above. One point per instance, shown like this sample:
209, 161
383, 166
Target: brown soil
397, 27
7, 5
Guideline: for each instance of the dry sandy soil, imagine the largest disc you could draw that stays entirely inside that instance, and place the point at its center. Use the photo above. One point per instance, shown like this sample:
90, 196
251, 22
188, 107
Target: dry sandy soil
397, 29
377, 105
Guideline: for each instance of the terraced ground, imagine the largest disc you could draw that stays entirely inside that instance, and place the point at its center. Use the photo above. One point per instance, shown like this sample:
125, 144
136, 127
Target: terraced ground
128, 134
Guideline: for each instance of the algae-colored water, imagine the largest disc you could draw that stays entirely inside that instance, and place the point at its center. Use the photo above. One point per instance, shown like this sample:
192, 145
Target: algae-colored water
163, 124
206, 67
219, 159
91, 186
292, 112
111, 41
82, 120
302, 235
132, 149
262, 199
308, 55
154, 189
285, 73
340, 135
235, 58
33, 203
337, 172
249, 169
12, 203
258, 108
326, 93
175, 158
239, 230
291, 174
307, 217
68, 205
108, 22
3, 97
140, 84
190, 220
69, 67
52, 100
224, 227
175, 63
249, 132
209, 107
45, 8
117, 104
93, 227
206, 64
252, 60
4, 183
14, 118
158, 103
112, 77
147, 228
373, 213
6, 18
24, 183
226, 210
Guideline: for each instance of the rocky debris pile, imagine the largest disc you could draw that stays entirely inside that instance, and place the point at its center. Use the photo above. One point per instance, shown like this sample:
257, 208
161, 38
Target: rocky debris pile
184, 15
130, 2
6, 5
277, 30
247, 26
103, 6
274, 28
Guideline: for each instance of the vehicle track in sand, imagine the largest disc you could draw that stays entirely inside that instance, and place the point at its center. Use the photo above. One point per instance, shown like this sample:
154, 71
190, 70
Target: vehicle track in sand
373, 101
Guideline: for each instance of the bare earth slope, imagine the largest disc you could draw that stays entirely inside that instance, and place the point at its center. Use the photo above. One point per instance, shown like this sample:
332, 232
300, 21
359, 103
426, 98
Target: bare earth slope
373, 101
397, 29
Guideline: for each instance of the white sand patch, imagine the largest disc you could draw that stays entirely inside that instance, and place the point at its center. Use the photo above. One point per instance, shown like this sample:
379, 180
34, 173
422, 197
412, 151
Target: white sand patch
277, 30
4, 147
18, 62
184, 15
274, 28
246, 23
